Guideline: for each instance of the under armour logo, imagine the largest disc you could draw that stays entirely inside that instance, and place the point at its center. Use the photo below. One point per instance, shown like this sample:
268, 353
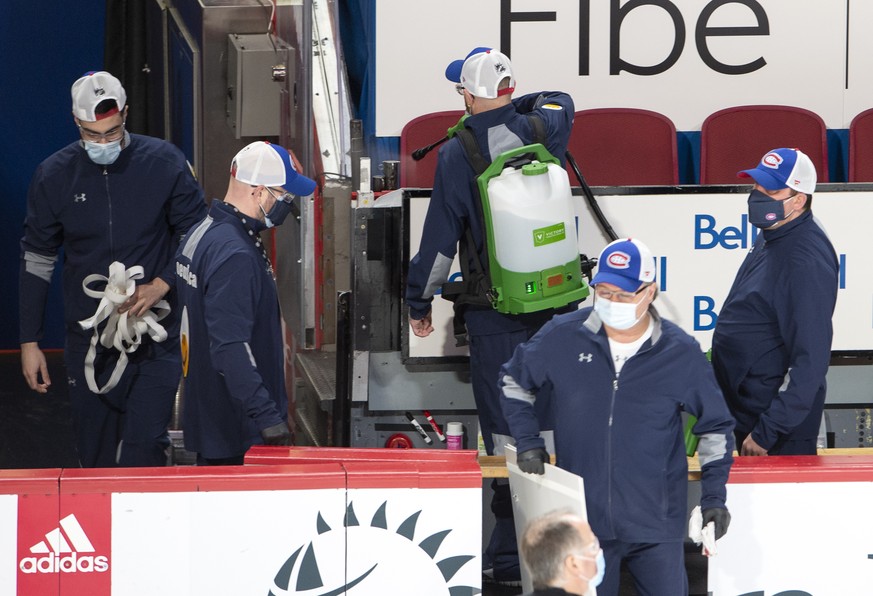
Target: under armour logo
71, 381
585, 357
79, 198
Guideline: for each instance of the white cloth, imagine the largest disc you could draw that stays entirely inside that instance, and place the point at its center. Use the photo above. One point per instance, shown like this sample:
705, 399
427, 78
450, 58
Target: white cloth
699, 534
122, 332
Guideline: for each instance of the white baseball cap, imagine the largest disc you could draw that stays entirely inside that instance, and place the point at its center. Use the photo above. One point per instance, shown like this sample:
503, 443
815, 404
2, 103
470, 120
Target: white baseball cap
481, 73
262, 163
93, 88
784, 168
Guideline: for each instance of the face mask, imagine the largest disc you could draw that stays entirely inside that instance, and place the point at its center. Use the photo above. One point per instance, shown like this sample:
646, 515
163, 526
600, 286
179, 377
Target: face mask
601, 570
765, 211
618, 315
279, 211
103, 153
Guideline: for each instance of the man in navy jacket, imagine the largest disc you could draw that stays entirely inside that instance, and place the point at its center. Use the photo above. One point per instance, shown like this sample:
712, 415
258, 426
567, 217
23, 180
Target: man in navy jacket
233, 349
772, 342
111, 196
499, 123
621, 376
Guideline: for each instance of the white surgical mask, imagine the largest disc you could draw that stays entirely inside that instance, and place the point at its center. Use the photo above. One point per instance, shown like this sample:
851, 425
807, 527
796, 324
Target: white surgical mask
618, 315
103, 153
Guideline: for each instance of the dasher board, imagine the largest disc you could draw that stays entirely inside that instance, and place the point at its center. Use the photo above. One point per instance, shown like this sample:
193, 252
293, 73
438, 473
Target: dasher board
534, 495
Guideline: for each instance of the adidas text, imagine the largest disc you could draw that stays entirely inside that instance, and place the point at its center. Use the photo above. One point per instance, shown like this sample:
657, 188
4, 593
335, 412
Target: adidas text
71, 563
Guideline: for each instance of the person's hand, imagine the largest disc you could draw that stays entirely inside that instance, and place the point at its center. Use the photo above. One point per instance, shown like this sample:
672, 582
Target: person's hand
720, 517
750, 447
278, 434
144, 297
533, 461
421, 327
33, 367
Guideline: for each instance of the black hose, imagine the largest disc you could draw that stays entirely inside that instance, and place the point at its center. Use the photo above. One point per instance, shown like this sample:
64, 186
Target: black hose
592, 202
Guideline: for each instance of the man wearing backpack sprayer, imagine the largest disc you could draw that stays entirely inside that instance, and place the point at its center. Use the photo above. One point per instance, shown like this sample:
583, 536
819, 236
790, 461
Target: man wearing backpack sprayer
499, 123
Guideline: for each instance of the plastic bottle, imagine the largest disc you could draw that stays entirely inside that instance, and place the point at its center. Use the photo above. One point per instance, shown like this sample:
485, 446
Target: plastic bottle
522, 204
454, 435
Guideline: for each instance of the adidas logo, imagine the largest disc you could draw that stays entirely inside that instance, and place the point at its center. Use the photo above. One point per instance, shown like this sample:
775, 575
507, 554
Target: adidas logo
62, 551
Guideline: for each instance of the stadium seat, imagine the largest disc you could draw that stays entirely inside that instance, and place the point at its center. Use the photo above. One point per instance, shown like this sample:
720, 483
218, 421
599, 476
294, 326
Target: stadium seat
418, 133
736, 138
624, 147
861, 147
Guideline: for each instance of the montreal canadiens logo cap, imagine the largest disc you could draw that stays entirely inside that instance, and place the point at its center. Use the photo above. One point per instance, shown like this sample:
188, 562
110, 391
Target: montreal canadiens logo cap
626, 263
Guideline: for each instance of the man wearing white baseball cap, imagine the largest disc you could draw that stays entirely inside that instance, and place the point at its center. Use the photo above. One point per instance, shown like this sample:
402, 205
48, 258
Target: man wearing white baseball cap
620, 378
232, 345
498, 123
111, 196
772, 342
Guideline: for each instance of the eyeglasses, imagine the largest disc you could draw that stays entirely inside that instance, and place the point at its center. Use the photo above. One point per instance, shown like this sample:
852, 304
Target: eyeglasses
616, 296
110, 136
285, 196
459, 88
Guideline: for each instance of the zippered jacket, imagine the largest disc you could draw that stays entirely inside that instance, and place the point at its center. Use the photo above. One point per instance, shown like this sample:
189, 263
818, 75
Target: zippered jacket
623, 433
133, 211
232, 333
772, 342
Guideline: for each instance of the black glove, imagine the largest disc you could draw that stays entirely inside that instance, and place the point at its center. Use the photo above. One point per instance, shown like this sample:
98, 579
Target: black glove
532, 461
721, 517
278, 434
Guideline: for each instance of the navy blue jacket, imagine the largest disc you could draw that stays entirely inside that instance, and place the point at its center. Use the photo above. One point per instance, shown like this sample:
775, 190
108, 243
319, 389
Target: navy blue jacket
453, 203
623, 434
772, 342
234, 370
134, 211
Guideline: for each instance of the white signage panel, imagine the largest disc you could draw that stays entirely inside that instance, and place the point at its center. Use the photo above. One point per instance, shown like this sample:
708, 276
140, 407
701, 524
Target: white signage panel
224, 542
683, 58
795, 538
8, 543
699, 241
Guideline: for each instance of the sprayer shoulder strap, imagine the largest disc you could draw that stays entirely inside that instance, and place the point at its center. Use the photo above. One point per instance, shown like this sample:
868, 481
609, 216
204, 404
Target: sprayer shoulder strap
474, 154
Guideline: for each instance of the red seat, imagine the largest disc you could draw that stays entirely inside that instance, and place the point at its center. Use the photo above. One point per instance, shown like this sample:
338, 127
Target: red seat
861, 147
624, 147
418, 133
736, 138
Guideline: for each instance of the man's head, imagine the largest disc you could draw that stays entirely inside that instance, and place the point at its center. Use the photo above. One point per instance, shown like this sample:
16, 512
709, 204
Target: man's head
560, 551
99, 110
784, 182
624, 284
484, 78
263, 177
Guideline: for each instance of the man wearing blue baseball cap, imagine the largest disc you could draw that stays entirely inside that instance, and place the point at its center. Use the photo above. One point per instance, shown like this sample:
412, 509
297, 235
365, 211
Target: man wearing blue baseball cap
497, 122
233, 357
621, 376
772, 342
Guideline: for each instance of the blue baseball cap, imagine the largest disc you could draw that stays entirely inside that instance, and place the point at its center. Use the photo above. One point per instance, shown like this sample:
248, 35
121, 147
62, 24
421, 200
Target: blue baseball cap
263, 163
784, 168
453, 70
626, 263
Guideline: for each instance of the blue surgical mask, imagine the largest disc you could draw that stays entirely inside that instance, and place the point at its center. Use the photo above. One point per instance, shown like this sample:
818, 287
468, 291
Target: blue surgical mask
600, 565
103, 153
279, 211
765, 211
601, 570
